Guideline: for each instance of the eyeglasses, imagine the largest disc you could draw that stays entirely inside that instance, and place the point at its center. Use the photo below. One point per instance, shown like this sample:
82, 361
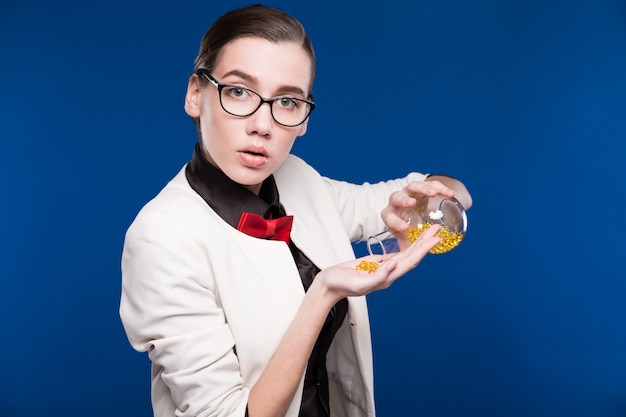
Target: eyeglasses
240, 101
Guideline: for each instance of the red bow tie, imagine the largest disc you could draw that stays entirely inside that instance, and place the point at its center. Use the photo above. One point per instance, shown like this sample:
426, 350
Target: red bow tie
258, 226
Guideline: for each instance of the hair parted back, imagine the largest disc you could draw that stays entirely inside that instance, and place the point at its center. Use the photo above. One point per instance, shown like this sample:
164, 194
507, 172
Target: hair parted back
257, 21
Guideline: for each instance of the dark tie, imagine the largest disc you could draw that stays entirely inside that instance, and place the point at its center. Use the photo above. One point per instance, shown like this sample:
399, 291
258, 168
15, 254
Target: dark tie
258, 226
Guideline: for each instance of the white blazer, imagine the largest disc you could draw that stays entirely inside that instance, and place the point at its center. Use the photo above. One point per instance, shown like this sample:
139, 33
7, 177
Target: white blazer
210, 304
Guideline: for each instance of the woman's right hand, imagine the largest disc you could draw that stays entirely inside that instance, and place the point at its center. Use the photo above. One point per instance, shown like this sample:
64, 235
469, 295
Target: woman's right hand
343, 280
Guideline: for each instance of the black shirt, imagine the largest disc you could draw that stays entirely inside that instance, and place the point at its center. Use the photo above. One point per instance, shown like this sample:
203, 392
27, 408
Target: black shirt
229, 199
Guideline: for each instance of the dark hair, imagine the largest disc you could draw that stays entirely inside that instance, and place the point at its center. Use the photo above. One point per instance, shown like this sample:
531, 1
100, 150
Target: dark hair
257, 21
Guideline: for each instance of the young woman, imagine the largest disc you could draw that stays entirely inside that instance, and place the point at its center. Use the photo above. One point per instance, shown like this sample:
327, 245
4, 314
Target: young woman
243, 316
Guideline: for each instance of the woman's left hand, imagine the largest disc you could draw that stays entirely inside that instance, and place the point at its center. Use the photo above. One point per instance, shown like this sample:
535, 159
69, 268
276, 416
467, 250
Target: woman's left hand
400, 201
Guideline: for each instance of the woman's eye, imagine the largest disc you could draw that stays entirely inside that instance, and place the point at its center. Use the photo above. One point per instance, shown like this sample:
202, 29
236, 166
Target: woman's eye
237, 92
288, 103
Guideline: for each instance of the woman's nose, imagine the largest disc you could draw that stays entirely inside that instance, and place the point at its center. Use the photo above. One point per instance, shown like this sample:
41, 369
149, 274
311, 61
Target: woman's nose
262, 121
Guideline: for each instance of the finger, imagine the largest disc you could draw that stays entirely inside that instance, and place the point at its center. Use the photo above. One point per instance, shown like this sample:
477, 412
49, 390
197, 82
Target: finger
396, 265
390, 269
418, 249
401, 199
393, 220
393, 214
429, 188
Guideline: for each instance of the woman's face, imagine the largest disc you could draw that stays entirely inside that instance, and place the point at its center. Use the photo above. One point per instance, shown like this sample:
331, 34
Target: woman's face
249, 149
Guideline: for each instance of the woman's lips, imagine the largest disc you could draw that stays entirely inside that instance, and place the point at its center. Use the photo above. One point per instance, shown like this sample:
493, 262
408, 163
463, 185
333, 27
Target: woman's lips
253, 158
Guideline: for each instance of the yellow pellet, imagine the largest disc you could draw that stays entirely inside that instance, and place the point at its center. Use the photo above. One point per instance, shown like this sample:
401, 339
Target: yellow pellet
368, 266
449, 240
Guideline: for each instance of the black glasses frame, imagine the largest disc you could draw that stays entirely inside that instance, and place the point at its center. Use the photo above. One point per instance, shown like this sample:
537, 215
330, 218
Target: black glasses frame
220, 86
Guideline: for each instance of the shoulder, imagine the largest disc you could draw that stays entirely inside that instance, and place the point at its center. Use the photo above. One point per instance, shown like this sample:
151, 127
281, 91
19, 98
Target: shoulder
176, 192
295, 175
294, 164
177, 205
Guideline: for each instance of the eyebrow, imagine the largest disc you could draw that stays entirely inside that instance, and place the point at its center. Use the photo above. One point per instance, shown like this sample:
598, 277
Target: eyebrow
282, 89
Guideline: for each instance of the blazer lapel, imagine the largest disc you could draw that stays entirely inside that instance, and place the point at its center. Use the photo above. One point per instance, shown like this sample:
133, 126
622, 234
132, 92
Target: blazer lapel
317, 228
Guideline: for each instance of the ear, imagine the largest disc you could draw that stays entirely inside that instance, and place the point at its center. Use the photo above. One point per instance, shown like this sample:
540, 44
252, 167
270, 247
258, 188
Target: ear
192, 99
303, 127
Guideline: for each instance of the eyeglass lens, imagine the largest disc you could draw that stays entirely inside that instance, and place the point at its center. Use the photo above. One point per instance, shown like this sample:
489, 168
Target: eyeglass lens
239, 101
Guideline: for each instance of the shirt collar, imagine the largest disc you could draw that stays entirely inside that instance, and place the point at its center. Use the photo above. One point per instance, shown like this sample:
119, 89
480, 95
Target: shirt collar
227, 197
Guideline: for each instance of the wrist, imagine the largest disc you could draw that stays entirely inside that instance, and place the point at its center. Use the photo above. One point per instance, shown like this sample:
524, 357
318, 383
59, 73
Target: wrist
320, 294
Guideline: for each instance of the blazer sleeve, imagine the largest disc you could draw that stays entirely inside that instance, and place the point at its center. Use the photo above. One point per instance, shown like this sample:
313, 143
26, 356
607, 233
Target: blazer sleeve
360, 205
168, 306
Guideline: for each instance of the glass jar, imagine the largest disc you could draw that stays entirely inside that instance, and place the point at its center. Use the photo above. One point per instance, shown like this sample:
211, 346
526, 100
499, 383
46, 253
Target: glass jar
447, 212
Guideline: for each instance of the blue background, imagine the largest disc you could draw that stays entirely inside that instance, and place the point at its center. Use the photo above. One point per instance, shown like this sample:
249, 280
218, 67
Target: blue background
522, 100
